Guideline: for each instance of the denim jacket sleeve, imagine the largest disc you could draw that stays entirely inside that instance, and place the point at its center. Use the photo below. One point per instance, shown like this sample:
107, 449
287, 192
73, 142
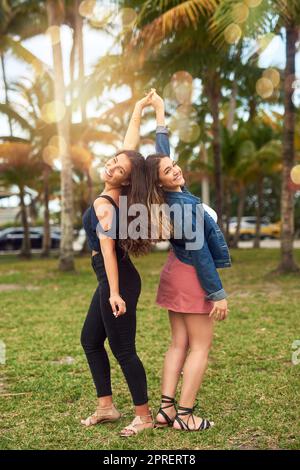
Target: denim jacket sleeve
162, 144
205, 267
207, 273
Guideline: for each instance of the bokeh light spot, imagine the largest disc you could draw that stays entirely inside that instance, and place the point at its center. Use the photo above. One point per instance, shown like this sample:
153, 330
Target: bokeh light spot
50, 154
86, 8
54, 34
127, 17
53, 111
295, 174
190, 132
273, 75
169, 93
240, 12
102, 15
264, 87
232, 33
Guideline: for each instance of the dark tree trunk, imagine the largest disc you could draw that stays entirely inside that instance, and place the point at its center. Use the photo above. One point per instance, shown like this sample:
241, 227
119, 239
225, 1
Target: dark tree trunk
215, 97
260, 186
227, 213
66, 259
240, 212
287, 263
46, 237
6, 91
26, 247
78, 27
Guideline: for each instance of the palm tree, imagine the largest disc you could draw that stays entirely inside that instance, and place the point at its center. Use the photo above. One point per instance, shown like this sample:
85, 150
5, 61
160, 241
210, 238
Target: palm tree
55, 16
18, 166
13, 22
184, 24
287, 15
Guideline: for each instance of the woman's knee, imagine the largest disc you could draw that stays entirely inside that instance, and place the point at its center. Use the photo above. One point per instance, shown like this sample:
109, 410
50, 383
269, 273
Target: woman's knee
180, 347
201, 349
90, 342
124, 357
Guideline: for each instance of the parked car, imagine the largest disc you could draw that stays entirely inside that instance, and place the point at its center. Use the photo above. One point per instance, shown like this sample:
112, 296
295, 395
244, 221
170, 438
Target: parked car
248, 226
12, 238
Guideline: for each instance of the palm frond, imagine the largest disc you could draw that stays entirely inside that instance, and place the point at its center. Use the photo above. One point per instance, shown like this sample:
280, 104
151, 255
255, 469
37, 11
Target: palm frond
257, 22
176, 18
22, 53
8, 111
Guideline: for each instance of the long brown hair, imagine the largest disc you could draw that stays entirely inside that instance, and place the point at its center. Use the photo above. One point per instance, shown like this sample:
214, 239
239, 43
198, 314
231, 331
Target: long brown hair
136, 192
156, 197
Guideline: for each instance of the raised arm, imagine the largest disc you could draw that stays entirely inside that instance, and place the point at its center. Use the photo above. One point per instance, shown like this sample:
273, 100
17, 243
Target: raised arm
162, 144
132, 137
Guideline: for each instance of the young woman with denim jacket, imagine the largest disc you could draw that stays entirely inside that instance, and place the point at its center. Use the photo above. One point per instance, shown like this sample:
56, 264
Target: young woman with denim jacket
190, 286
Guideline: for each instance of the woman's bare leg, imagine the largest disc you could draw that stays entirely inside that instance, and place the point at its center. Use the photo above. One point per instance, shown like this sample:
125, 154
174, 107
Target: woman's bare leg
200, 333
174, 360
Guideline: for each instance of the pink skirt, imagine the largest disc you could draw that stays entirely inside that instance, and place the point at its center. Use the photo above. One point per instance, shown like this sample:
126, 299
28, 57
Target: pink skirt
179, 288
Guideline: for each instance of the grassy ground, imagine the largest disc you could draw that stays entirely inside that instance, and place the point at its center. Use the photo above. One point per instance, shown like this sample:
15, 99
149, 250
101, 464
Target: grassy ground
251, 389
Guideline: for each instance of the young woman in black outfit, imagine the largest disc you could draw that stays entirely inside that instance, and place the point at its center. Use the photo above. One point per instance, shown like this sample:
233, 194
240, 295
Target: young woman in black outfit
112, 312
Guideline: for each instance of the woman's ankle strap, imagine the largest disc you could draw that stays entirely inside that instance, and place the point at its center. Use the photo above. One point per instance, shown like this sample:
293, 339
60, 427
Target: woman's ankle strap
166, 399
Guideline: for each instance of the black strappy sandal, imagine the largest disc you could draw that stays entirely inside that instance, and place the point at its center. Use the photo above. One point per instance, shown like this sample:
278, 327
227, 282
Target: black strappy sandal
168, 403
183, 411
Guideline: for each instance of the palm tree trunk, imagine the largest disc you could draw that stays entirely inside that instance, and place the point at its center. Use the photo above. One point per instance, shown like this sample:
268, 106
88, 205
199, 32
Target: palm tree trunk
26, 247
79, 34
232, 107
227, 211
260, 185
66, 261
287, 263
72, 69
205, 179
252, 108
240, 212
46, 234
215, 95
6, 91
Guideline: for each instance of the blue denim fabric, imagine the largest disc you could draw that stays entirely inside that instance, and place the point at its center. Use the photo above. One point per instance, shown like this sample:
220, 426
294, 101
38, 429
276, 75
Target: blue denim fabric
214, 252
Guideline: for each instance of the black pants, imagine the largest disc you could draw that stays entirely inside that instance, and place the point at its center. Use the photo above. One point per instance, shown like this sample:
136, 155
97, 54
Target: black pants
100, 324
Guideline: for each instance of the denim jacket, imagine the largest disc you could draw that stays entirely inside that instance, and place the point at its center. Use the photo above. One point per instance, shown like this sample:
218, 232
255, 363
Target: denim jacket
214, 251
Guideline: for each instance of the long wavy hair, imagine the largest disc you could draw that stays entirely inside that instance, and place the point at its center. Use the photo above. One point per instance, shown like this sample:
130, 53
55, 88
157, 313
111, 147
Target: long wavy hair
136, 192
159, 221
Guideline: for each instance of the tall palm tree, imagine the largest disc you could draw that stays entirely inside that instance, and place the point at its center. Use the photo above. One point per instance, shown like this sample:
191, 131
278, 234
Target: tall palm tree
36, 133
18, 166
287, 15
184, 24
13, 22
66, 262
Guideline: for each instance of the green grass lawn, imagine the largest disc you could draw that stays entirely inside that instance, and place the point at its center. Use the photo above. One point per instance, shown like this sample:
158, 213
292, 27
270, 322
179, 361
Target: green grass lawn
251, 388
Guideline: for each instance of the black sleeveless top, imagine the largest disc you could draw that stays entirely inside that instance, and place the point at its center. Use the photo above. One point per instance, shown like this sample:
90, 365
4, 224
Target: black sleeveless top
92, 225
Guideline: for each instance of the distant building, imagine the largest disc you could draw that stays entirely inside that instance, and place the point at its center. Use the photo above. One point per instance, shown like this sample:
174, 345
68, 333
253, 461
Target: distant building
8, 215
9, 210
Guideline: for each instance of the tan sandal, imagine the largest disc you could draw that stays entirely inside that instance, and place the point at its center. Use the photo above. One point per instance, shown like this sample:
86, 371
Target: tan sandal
102, 415
137, 425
